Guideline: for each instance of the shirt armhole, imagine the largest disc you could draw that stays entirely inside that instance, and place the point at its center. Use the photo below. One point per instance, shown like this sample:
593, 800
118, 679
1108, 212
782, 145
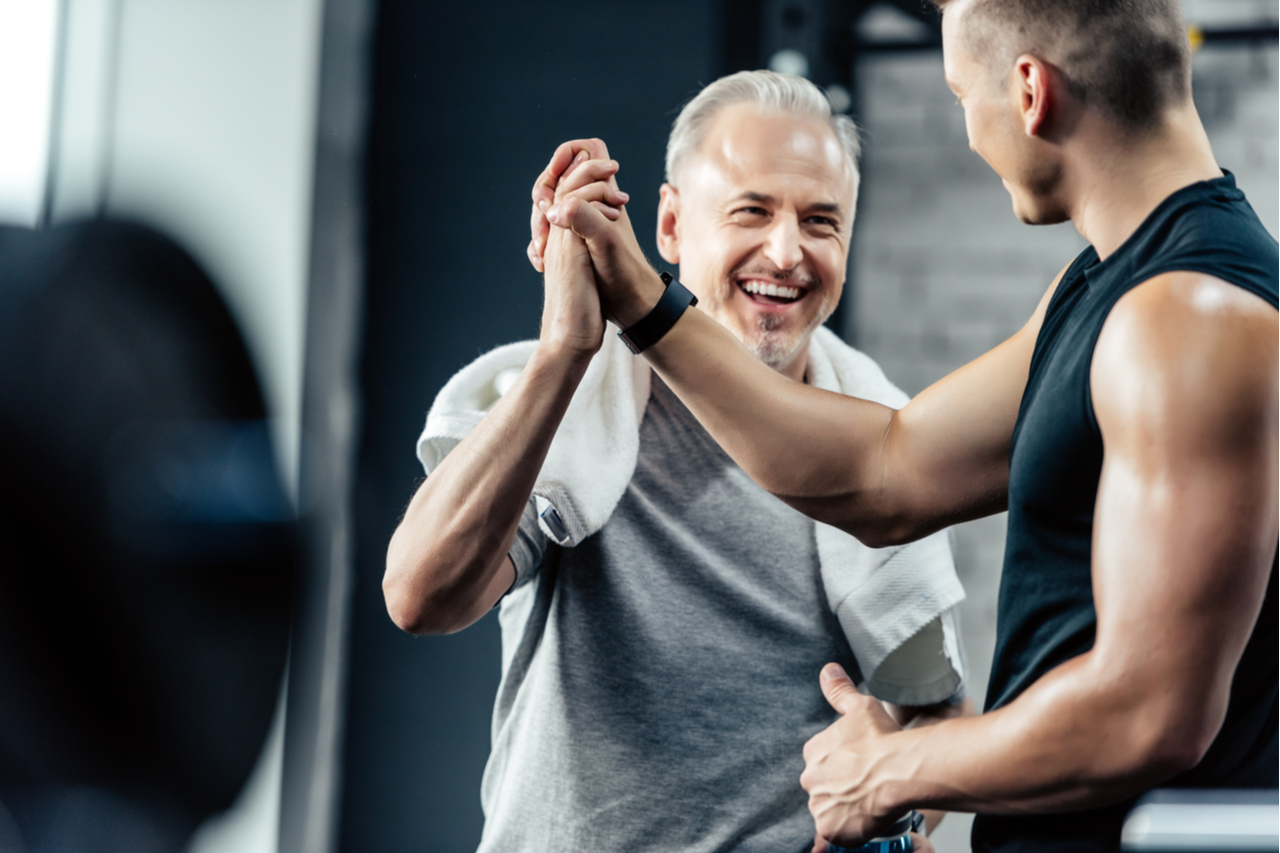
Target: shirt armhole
529, 547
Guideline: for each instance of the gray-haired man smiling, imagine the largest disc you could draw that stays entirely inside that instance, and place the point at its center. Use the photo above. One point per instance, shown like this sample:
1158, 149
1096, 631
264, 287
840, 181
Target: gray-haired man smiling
663, 617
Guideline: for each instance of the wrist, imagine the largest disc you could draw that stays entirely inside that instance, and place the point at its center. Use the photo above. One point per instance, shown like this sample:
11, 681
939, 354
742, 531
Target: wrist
647, 289
897, 789
557, 354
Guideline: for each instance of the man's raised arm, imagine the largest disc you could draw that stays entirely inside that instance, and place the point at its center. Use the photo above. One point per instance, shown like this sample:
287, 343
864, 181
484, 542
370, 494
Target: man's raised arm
447, 563
885, 476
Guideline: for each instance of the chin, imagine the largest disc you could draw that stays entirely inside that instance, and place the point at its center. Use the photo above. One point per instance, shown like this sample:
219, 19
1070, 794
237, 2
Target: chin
779, 349
1043, 213
777, 354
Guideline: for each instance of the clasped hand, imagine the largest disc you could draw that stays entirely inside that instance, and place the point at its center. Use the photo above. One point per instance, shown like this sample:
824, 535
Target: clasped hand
841, 763
579, 224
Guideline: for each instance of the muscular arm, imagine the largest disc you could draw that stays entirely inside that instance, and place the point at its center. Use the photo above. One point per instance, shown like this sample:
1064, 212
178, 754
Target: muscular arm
885, 476
1184, 385
882, 475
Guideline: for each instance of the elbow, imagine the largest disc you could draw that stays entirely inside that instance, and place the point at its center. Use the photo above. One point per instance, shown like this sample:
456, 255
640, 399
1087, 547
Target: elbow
415, 609
860, 518
418, 614
405, 610
1166, 741
888, 530
884, 536
1178, 750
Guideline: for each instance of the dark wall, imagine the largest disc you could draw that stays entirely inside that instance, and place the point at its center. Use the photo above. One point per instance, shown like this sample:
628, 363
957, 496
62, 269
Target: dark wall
470, 100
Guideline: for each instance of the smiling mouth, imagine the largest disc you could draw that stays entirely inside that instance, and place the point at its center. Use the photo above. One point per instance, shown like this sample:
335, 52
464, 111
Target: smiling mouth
771, 293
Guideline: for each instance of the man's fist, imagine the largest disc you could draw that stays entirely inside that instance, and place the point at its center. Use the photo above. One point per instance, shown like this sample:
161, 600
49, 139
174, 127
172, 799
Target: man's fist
839, 762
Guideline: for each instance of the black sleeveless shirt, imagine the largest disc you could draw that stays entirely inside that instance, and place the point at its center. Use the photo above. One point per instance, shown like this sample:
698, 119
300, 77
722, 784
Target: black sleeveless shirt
1046, 613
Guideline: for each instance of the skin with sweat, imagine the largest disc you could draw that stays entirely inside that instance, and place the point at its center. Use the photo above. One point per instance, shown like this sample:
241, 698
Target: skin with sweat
1184, 385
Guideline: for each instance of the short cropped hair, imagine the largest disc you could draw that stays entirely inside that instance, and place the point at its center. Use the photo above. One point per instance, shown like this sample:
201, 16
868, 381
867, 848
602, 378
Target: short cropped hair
768, 92
1129, 59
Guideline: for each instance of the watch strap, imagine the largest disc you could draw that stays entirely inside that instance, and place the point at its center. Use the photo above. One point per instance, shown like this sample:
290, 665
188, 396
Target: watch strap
650, 328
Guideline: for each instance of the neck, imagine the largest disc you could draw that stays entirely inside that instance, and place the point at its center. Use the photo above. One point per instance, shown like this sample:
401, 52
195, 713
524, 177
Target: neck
1112, 193
798, 366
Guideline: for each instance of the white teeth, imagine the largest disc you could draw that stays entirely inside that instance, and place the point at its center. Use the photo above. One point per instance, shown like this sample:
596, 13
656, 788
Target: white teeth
781, 291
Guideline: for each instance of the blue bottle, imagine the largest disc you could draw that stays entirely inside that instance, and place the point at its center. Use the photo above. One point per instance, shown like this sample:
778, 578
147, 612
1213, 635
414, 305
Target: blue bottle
895, 840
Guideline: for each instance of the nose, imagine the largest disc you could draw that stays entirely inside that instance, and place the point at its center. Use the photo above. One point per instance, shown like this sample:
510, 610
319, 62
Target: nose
782, 246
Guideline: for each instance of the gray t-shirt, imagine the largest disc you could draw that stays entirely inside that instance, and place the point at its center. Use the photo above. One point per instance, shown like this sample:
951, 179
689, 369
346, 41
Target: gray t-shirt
660, 679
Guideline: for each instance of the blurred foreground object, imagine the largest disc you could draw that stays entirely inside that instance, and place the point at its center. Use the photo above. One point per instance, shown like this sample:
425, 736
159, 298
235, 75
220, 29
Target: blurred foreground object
148, 549
1204, 822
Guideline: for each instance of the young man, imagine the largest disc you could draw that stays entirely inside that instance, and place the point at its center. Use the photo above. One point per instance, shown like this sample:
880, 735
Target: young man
1130, 428
664, 618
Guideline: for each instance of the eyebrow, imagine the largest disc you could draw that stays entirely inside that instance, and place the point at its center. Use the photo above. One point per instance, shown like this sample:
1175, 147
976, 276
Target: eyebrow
820, 207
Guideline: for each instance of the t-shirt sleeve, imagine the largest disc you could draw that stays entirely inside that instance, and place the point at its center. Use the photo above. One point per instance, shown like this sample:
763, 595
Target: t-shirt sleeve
529, 546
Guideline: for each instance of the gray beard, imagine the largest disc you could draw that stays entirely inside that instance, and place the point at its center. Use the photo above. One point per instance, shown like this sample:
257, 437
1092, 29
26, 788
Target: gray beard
773, 348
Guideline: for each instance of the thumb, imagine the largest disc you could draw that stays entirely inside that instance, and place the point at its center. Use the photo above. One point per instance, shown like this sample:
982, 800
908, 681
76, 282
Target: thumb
838, 688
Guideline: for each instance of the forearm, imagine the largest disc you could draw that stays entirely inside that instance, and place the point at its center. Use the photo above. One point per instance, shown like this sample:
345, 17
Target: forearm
820, 451
457, 530
913, 717
886, 476
1074, 740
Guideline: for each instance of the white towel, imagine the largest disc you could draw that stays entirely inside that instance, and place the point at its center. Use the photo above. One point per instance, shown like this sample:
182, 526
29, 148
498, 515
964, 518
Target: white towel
881, 596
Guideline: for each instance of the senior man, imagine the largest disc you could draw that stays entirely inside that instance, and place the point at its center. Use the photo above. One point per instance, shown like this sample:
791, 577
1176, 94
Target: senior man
1130, 428
664, 618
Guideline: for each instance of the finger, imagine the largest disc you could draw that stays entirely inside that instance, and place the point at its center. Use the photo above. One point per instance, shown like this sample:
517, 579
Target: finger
599, 192
610, 213
566, 158
580, 217
544, 187
589, 171
539, 228
838, 688
815, 746
920, 844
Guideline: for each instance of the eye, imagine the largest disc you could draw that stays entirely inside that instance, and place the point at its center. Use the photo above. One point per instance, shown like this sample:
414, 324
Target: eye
752, 211
824, 220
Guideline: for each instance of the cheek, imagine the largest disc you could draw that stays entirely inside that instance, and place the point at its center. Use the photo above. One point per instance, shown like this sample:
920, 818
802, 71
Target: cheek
725, 251
830, 261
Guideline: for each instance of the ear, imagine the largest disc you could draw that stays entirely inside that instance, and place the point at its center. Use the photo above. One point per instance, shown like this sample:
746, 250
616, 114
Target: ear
669, 224
1036, 92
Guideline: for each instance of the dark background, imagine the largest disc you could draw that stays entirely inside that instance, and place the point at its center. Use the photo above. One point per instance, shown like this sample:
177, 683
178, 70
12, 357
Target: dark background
469, 101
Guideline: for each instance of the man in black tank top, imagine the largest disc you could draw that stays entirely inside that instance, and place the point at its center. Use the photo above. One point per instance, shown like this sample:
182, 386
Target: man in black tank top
1130, 428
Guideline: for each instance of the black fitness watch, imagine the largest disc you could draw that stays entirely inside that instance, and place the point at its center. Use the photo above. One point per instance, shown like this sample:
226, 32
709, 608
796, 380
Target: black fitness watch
650, 328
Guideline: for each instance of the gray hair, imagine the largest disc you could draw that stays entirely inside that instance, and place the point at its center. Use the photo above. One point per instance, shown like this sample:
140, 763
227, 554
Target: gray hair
769, 92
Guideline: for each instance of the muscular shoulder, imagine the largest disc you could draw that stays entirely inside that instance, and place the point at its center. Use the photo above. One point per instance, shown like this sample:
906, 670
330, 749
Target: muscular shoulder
1185, 354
